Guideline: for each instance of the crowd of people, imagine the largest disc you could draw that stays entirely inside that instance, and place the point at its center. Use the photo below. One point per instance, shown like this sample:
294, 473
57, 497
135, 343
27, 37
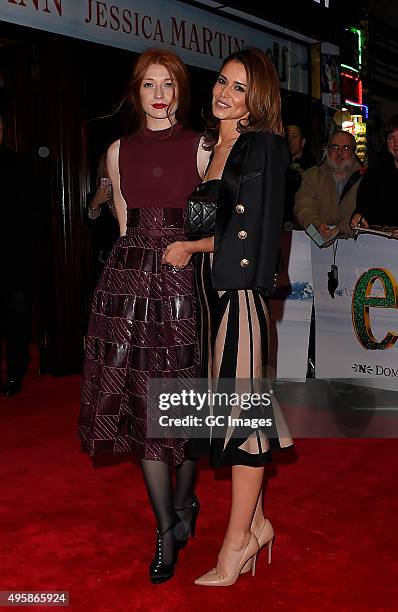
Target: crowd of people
339, 195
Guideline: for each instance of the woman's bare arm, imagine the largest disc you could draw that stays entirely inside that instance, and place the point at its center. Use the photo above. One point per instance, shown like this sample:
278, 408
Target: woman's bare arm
112, 162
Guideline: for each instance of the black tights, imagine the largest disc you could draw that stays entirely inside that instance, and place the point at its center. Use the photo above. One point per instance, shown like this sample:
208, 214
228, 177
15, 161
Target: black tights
165, 501
160, 489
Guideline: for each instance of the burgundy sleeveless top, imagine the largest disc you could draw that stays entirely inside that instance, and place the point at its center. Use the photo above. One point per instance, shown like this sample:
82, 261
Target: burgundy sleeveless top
159, 168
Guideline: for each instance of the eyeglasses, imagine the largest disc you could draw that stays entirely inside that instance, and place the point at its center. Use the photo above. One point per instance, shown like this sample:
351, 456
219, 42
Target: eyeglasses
335, 148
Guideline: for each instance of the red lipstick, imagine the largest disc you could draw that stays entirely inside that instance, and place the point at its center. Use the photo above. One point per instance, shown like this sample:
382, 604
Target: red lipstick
159, 105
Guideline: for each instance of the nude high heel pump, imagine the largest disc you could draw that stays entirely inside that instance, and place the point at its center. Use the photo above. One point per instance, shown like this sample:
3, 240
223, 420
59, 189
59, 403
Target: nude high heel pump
265, 535
213, 579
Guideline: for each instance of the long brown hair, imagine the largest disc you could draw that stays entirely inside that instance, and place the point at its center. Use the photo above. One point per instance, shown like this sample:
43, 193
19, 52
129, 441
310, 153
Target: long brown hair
263, 98
178, 72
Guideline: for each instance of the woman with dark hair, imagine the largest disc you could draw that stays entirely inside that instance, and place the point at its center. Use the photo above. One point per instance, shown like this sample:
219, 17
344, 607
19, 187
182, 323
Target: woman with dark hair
235, 277
377, 193
102, 217
142, 324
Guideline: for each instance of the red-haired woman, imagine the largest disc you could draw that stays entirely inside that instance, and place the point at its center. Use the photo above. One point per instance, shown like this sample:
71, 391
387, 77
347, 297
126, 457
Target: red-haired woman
142, 324
236, 274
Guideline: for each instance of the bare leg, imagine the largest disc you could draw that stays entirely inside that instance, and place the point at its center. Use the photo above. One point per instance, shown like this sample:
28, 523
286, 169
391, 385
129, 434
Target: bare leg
258, 518
246, 489
256, 526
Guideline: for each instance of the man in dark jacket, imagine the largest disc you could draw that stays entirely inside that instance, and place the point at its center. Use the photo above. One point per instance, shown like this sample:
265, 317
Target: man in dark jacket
300, 155
15, 264
301, 158
378, 192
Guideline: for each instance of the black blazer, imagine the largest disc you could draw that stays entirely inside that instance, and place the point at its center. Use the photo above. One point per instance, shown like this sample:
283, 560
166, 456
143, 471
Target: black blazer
250, 213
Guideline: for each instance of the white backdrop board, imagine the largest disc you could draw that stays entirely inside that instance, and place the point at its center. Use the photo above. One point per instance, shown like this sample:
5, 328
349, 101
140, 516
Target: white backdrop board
356, 332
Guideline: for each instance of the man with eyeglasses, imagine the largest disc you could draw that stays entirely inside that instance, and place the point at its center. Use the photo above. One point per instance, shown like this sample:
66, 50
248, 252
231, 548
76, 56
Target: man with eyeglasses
327, 195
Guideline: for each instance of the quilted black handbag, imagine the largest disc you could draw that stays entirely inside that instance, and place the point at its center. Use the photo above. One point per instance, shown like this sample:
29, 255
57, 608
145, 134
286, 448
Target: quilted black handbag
201, 216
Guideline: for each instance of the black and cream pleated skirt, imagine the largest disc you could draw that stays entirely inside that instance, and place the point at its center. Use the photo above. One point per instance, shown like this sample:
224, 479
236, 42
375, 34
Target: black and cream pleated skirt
234, 345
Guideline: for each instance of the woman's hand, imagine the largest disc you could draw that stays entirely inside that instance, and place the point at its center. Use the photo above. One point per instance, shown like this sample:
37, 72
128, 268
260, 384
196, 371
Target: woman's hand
359, 221
177, 254
102, 195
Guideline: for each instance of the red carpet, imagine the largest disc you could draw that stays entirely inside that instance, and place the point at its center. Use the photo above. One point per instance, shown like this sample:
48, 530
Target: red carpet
68, 526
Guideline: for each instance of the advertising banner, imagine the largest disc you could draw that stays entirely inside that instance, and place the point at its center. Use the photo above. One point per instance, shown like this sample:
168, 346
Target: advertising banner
330, 74
357, 330
199, 37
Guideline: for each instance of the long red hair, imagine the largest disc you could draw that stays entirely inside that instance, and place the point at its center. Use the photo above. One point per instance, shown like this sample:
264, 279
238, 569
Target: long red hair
178, 72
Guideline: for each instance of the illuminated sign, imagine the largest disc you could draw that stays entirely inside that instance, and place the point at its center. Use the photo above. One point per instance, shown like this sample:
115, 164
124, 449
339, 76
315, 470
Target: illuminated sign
351, 86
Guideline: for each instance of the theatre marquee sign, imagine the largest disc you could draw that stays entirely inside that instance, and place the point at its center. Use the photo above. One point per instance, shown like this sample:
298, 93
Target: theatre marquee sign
200, 38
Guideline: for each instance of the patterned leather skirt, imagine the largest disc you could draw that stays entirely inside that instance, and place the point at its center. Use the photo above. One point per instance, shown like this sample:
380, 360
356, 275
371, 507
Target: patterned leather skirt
142, 326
